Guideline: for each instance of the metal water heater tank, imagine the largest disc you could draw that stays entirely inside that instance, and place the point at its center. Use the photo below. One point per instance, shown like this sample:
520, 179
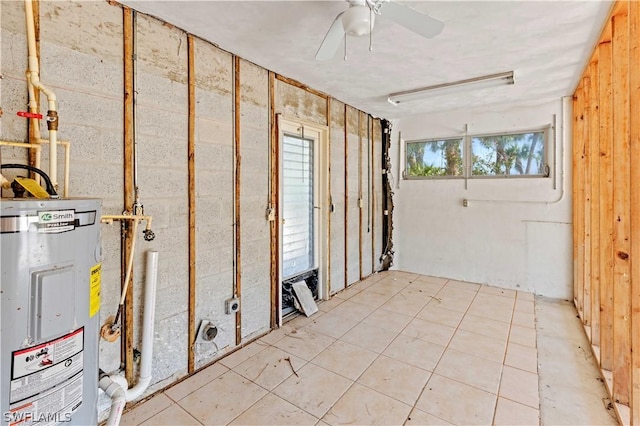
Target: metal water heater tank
49, 312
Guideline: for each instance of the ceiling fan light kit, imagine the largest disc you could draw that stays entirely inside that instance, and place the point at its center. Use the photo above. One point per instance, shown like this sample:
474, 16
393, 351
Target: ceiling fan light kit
358, 20
487, 81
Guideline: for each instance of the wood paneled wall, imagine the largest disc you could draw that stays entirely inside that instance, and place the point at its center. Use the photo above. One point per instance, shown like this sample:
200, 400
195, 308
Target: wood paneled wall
606, 214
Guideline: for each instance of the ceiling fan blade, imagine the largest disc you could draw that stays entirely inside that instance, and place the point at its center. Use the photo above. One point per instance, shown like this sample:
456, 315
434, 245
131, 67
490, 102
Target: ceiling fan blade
412, 19
332, 40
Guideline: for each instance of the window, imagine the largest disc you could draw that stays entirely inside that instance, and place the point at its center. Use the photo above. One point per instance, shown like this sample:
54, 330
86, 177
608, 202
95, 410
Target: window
495, 155
298, 201
508, 155
435, 158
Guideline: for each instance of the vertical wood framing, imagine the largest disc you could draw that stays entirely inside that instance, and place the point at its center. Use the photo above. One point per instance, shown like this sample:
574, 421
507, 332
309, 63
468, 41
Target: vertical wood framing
372, 179
622, 213
605, 240
346, 197
237, 177
330, 203
191, 142
274, 191
575, 166
594, 225
34, 123
578, 182
634, 133
128, 191
360, 196
586, 212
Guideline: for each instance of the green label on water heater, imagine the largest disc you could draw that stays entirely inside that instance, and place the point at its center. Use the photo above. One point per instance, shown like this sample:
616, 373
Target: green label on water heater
56, 221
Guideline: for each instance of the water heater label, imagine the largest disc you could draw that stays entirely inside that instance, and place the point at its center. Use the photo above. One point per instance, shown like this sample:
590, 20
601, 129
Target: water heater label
55, 221
50, 369
94, 289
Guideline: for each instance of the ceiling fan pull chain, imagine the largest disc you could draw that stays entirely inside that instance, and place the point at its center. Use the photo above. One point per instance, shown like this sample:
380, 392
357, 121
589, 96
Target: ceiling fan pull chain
370, 29
345, 46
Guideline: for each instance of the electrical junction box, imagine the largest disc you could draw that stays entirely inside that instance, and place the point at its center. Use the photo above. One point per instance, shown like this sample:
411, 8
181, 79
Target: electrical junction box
232, 305
49, 311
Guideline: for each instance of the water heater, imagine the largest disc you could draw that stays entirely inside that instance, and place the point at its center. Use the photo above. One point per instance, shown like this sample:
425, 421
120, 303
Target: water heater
49, 311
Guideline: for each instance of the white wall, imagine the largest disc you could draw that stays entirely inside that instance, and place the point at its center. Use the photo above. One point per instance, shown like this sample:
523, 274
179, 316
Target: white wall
515, 233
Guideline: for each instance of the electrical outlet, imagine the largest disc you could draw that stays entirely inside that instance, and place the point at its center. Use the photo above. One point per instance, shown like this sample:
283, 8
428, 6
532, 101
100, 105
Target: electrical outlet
232, 305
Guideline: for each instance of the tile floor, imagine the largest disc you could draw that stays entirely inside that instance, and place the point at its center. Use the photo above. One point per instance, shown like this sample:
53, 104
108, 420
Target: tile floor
397, 348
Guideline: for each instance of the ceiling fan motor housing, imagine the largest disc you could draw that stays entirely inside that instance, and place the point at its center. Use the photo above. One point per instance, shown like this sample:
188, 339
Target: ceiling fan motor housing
358, 20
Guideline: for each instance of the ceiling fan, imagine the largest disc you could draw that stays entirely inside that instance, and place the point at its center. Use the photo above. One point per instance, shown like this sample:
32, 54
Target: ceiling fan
359, 20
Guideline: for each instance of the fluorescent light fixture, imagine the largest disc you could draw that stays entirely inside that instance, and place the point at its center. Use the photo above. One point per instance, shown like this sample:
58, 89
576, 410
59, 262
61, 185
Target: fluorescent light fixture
492, 80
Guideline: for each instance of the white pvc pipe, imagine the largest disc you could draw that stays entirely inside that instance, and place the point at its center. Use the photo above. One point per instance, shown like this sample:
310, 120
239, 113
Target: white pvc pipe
118, 399
148, 329
33, 77
148, 323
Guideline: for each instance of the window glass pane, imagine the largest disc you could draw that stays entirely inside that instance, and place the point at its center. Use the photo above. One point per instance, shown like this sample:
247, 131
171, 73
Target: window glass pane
434, 158
518, 154
297, 198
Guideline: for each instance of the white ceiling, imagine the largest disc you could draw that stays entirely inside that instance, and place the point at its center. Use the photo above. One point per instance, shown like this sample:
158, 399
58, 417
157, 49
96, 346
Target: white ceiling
545, 43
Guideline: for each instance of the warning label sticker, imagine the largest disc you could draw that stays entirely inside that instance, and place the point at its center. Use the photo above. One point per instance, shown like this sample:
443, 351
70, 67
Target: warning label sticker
56, 221
94, 289
40, 368
52, 407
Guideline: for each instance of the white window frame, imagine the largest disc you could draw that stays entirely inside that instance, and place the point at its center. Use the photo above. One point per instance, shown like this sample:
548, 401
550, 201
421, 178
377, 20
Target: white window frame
467, 155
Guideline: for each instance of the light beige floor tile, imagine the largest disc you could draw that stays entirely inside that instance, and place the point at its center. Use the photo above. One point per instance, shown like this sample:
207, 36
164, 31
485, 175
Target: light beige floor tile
146, 410
485, 326
522, 295
272, 410
387, 320
463, 285
370, 298
353, 311
420, 418
497, 291
304, 343
332, 325
432, 312
222, 400
494, 311
469, 369
364, 406
430, 331
509, 413
457, 293
174, 415
314, 390
416, 352
277, 334
396, 379
430, 279
269, 367
523, 336
196, 381
524, 319
345, 359
502, 303
327, 305
520, 386
424, 287
243, 354
387, 287
525, 306
348, 293
369, 337
450, 302
300, 319
522, 357
478, 345
456, 402
405, 304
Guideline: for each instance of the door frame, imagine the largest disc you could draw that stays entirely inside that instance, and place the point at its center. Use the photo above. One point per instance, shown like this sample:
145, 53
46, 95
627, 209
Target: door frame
294, 125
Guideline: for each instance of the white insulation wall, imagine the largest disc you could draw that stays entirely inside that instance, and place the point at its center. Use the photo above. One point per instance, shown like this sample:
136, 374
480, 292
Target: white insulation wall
82, 61
515, 233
